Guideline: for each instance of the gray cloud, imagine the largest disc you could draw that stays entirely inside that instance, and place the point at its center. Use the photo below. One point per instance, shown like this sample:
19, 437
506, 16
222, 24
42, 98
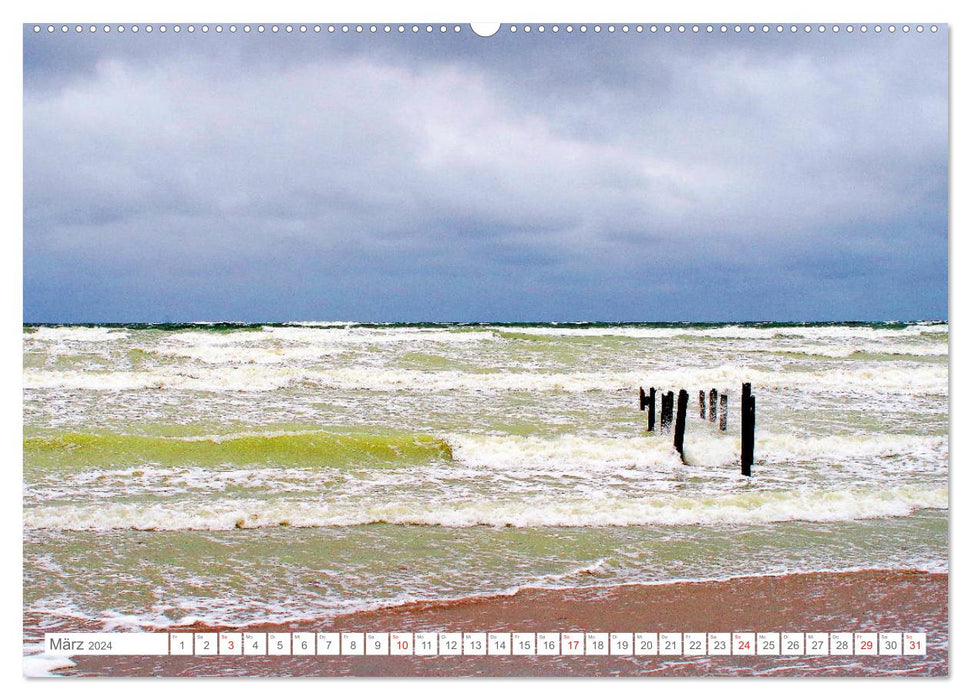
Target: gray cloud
455, 177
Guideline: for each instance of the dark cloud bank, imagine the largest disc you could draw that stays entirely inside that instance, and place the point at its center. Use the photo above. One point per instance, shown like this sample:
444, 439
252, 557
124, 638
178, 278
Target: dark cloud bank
451, 177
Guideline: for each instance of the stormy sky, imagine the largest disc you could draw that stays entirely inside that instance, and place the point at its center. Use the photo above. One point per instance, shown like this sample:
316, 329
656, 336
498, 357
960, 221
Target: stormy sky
640, 177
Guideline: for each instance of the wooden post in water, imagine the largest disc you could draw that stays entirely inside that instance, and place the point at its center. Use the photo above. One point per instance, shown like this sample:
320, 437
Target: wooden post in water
679, 423
751, 436
647, 401
748, 429
667, 411
651, 403
712, 404
723, 411
701, 404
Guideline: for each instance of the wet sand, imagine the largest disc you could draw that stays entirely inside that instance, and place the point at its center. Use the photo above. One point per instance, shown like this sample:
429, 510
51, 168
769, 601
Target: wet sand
862, 601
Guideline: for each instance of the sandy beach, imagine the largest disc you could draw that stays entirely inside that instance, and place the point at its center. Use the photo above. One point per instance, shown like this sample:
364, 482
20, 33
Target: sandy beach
869, 601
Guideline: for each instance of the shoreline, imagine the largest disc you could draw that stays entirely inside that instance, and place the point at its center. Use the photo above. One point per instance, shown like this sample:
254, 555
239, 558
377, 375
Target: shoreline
863, 600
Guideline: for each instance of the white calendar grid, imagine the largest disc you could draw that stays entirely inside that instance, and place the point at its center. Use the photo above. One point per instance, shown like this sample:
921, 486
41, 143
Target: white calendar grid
487, 644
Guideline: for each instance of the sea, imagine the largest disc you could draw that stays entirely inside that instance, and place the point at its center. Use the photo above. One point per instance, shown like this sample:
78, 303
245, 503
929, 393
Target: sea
235, 474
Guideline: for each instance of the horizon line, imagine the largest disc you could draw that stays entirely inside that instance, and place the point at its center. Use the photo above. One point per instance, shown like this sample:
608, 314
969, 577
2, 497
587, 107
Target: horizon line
467, 322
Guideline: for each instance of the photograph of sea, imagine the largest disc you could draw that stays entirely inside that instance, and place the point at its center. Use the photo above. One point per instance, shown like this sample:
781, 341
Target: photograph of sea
345, 328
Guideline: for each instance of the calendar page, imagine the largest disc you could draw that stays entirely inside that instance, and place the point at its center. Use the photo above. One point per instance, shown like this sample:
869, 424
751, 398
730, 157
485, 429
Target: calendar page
514, 349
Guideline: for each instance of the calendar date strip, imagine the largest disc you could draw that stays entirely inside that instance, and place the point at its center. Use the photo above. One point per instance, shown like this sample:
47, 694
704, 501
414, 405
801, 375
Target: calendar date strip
487, 644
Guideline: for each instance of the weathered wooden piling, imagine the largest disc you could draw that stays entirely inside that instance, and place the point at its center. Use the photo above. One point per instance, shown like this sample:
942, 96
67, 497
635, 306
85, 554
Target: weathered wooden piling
647, 401
712, 404
701, 404
680, 422
667, 411
723, 412
748, 429
651, 403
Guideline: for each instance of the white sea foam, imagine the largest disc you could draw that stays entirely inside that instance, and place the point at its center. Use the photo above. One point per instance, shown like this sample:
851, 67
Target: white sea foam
82, 334
848, 350
275, 344
704, 448
924, 378
267, 378
248, 378
280, 345
730, 331
820, 332
106, 483
539, 511
515, 452
236, 355
778, 447
41, 665
899, 378
375, 336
